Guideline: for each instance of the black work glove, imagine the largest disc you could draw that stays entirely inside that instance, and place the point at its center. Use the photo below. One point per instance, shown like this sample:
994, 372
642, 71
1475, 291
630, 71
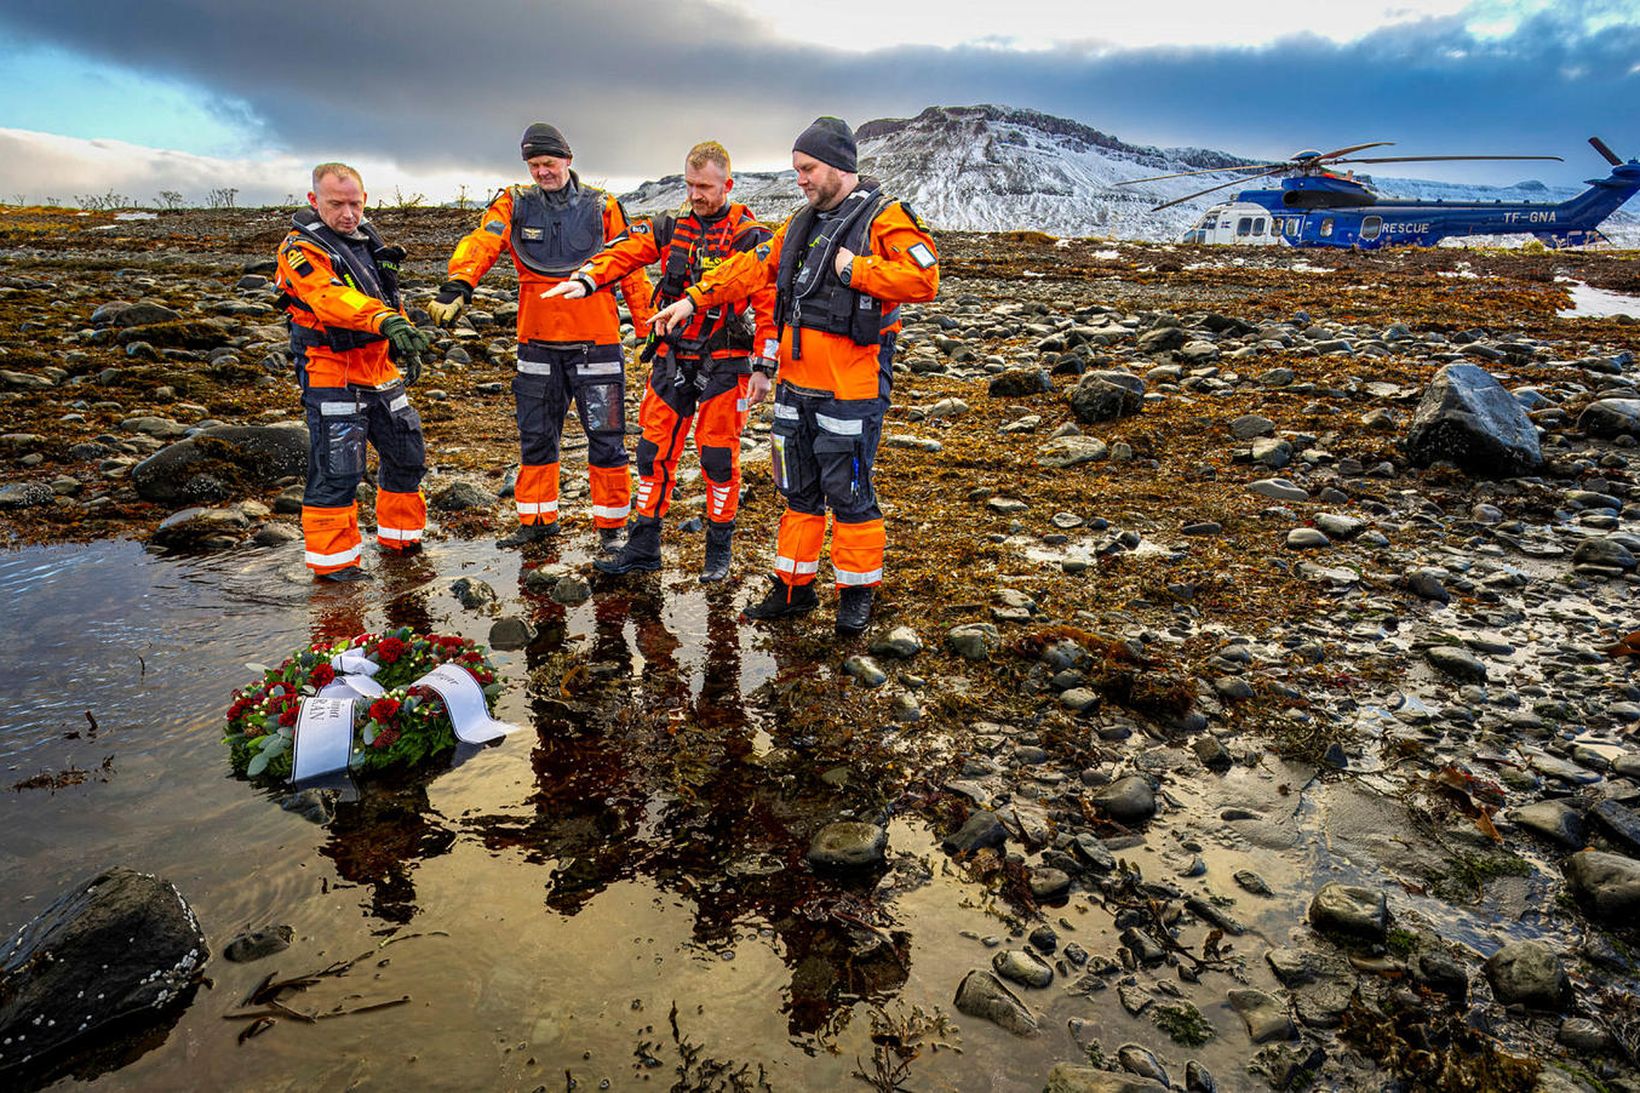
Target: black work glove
405, 345
453, 298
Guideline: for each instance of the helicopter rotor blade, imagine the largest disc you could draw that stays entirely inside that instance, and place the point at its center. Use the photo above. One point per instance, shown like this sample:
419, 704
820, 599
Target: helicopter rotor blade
1207, 171
1600, 146
1431, 159
1233, 182
1352, 148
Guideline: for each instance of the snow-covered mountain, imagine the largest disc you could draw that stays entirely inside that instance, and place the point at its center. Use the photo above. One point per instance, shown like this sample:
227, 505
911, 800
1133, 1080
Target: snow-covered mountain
996, 168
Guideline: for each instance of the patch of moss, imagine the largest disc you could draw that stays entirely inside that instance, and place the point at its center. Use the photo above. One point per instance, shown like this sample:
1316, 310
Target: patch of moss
1469, 874
1183, 1023
1401, 942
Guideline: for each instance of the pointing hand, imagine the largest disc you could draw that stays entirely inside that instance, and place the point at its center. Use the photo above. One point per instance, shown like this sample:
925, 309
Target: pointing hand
574, 288
665, 320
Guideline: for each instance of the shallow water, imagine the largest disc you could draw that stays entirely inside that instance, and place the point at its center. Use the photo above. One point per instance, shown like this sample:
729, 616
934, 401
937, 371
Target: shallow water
546, 903
1589, 302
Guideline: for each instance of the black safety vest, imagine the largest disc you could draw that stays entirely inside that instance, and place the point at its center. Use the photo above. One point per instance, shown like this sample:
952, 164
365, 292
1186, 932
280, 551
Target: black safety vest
378, 279
688, 247
810, 295
556, 238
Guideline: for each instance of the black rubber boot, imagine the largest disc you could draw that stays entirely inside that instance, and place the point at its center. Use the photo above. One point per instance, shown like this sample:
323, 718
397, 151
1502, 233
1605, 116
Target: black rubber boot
784, 601
344, 576
853, 611
612, 540
529, 533
641, 552
718, 536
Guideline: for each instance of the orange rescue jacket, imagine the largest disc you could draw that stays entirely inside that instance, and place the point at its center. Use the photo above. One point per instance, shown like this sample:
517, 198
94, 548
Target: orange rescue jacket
335, 316
687, 247
508, 225
898, 265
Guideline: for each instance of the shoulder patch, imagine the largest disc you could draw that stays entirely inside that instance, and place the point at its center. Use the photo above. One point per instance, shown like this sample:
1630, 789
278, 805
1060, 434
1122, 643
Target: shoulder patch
641, 228
763, 251
911, 214
750, 235
922, 255
298, 259
495, 227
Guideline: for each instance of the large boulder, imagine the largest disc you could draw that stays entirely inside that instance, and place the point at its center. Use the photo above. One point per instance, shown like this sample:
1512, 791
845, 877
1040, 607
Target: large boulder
122, 950
1609, 417
1094, 400
213, 464
1607, 884
1529, 972
982, 995
1467, 418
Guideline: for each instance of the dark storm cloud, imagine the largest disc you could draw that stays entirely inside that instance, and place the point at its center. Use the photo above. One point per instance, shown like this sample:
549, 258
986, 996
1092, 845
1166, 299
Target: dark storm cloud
446, 85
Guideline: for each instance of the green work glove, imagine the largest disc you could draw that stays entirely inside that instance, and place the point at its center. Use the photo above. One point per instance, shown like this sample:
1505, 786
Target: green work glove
405, 345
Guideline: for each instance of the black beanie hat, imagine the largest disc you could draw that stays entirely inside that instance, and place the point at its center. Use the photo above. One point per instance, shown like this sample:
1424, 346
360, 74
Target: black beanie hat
829, 140
542, 139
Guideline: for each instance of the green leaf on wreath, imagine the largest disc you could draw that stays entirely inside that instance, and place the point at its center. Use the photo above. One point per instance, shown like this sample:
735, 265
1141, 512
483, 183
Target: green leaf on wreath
258, 764
276, 745
493, 689
369, 734
255, 667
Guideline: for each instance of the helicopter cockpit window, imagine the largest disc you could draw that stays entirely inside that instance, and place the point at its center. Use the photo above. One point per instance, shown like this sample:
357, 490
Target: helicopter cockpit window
1244, 226
1326, 227
1372, 227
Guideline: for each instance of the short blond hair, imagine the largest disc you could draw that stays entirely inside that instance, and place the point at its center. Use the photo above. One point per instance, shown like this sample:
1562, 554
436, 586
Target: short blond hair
341, 170
707, 151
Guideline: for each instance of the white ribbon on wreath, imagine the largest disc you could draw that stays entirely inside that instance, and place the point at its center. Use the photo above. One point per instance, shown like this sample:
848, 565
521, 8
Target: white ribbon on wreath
323, 737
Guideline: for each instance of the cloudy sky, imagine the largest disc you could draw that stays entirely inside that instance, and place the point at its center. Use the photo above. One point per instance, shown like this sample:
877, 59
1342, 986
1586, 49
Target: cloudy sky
190, 95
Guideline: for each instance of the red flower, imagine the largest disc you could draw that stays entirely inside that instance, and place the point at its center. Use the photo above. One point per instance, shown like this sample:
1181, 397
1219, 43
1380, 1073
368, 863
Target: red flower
384, 709
323, 675
288, 718
390, 650
385, 738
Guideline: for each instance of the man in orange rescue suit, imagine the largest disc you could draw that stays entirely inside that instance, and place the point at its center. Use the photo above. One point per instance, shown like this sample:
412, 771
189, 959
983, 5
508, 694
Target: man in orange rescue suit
841, 266
339, 283
717, 365
567, 349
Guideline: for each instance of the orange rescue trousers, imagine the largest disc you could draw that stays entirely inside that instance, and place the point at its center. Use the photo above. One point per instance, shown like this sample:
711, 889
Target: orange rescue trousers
823, 449
711, 396
549, 378
341, 420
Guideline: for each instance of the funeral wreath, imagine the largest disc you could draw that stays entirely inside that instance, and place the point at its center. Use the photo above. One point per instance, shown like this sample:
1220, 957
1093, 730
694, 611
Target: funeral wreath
404, 724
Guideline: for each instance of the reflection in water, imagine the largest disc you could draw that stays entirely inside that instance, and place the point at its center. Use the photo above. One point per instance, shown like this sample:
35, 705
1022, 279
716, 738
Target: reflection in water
380, 834
636, 776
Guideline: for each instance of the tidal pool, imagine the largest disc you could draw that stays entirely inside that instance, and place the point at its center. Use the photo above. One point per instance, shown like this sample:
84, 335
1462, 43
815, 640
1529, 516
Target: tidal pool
617, 893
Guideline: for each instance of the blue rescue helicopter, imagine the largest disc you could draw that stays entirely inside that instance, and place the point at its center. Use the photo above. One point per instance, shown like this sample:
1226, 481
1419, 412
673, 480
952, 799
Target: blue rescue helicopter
1316, 207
